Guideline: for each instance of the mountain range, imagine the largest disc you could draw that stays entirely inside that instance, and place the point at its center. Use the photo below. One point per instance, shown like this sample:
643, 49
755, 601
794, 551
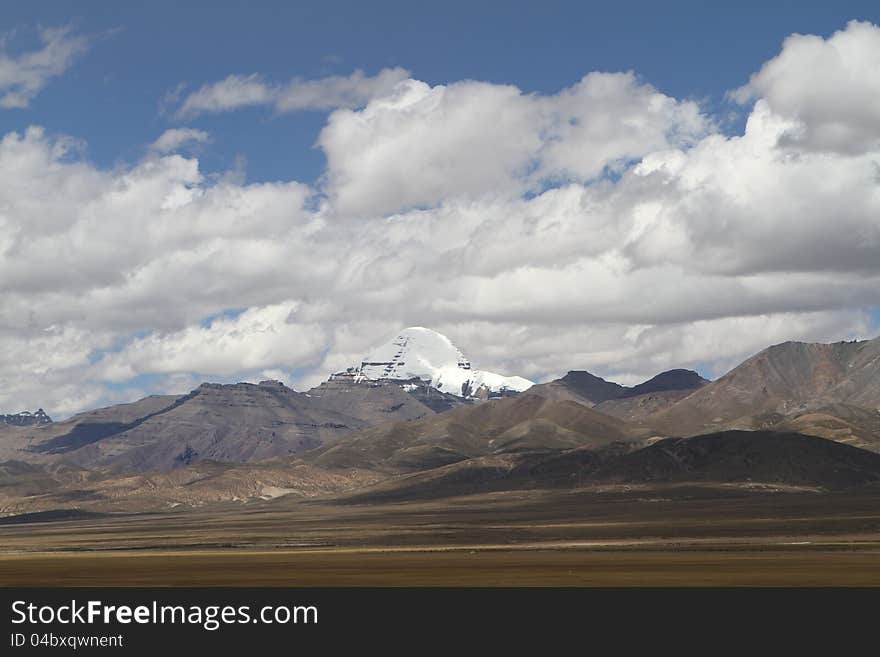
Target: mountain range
414, 418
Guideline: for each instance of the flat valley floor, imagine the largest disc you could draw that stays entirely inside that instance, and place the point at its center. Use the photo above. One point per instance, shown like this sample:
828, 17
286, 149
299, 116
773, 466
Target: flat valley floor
649, 536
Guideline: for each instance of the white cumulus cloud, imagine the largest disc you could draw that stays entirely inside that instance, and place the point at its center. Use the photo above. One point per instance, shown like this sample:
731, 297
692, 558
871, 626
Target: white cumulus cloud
423, 145
477, 209
829, 87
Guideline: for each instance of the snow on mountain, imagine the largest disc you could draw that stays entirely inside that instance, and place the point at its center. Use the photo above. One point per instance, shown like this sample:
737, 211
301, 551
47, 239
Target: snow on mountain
420, 353
26, 418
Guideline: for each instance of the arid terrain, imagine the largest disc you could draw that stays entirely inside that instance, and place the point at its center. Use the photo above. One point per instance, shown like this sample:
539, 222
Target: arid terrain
618, 535
769, 475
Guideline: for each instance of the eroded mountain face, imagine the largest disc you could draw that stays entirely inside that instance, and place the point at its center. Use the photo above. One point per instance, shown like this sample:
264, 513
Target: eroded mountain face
240, 422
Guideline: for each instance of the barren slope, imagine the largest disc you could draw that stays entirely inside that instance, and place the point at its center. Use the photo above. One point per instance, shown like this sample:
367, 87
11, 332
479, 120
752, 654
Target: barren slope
519, 424
782, 381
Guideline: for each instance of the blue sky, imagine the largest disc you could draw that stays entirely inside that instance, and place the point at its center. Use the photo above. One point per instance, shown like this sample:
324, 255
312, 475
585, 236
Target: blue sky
110, 98
493, 173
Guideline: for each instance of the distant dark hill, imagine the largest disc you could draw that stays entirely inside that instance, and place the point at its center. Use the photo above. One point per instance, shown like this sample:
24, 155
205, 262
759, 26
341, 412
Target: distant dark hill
671, 380
747, 456
742, 458
626, 403
527, 423
579, 386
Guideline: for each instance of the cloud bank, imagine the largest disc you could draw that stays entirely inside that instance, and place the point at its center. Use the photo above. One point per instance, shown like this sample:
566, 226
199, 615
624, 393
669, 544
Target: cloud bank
607, 226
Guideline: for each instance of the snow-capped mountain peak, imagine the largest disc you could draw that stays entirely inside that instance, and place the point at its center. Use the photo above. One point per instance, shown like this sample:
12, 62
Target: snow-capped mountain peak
421, 353
26, 418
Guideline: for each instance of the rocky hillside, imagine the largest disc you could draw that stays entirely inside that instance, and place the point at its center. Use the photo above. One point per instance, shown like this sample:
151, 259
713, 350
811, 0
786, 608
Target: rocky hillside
229, 423
779, 383
527, 423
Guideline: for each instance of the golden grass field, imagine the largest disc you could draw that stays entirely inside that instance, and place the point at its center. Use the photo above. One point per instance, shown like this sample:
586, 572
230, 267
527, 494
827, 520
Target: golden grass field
479, 567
